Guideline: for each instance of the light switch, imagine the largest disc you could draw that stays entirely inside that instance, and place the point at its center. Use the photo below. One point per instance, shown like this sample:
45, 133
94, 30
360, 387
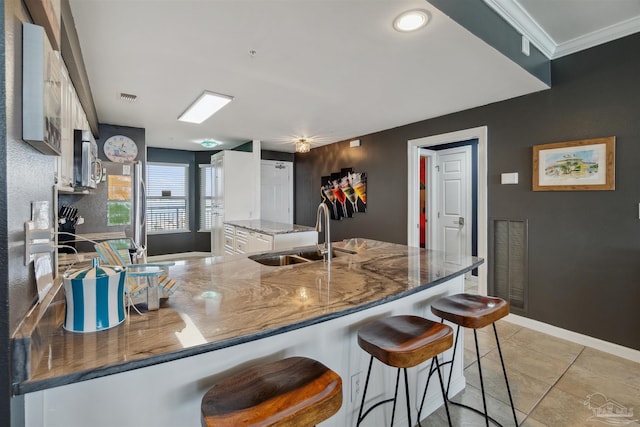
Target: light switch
525, 46
509, 178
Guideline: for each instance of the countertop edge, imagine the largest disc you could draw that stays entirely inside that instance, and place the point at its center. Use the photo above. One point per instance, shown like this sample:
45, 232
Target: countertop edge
256, 225
39, 385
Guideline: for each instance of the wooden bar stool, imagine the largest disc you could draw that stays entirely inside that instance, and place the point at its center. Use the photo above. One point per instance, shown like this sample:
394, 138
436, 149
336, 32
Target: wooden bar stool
292, 392
475, 312
404, 342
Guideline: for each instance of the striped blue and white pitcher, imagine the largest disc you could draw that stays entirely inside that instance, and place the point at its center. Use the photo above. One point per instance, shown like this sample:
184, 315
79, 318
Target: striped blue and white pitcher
95, 298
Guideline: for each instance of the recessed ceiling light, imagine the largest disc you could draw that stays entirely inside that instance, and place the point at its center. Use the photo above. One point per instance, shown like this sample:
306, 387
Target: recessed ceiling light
204, 107
411, 20
207, 143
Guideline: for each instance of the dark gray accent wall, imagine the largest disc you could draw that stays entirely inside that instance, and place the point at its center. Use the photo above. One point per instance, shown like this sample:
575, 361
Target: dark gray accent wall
481, 20
26, 176
5, 328
584, 245
383, 156
277, 156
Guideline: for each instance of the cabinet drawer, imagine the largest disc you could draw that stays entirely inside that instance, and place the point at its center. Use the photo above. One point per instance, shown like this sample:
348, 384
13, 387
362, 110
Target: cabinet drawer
241, 233
266, 238
260, 242
241, 247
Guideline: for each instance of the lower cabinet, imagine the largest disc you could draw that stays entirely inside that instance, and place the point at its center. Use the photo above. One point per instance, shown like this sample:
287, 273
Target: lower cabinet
240, 240
229, 239
258, 242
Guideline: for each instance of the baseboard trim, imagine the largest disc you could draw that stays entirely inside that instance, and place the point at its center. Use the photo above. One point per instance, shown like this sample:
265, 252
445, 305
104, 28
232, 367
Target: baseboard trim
598, 344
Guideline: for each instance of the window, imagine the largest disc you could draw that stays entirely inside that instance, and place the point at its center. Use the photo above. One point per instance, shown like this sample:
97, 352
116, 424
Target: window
205, 197
167, 197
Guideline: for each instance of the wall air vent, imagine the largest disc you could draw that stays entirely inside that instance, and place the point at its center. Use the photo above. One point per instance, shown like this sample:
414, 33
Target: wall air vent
509, 274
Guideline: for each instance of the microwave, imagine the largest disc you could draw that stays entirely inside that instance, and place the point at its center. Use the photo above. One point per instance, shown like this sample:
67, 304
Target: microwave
87, 168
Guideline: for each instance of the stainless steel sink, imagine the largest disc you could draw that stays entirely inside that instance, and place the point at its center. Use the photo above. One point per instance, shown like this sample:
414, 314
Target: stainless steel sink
278, 260
298, 256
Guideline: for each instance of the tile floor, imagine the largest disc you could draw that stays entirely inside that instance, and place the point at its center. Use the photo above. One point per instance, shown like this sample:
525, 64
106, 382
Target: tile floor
553, 382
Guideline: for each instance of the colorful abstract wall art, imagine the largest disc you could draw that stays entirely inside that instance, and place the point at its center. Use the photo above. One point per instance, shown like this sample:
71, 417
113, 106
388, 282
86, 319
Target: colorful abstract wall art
344, 193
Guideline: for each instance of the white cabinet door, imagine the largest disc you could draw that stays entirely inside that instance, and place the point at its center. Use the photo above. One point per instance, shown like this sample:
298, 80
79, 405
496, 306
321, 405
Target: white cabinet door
217, 233
235, 184
217, 187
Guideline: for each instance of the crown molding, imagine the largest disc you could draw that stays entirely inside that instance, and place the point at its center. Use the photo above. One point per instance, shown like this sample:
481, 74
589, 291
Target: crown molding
603, 35
518, 18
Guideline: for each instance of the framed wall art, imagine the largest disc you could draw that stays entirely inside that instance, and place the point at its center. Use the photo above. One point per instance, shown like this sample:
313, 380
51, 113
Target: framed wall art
582, 165
344, 193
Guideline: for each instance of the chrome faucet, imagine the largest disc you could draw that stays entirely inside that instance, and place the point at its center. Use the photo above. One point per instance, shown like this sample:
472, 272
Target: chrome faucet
326, 251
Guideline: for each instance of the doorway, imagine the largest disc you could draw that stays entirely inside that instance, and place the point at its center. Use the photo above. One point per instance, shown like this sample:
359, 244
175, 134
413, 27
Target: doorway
276, 191
415, 148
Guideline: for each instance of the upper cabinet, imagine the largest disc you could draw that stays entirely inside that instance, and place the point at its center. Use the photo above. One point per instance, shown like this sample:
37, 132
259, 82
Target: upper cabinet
73, 117
41, 91
51, 108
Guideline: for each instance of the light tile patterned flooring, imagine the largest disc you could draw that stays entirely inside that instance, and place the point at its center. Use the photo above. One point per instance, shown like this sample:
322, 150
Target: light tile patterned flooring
553, 382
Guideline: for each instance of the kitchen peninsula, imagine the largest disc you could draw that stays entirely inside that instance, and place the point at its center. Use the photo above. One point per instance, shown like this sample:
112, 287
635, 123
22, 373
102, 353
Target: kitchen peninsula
232, 312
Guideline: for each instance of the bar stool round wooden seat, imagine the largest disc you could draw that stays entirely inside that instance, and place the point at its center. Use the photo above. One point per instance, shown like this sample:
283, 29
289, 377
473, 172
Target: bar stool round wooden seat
475, 312
291, 392
404, 342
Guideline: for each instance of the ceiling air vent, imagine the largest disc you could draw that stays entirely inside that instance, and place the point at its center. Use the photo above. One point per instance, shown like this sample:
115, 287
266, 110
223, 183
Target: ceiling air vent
128, 97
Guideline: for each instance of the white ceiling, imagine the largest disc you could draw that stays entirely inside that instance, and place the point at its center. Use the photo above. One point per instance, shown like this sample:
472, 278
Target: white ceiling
326, 69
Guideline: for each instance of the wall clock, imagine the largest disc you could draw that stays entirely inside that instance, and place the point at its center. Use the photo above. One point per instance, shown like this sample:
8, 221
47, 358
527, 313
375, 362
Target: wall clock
120, 149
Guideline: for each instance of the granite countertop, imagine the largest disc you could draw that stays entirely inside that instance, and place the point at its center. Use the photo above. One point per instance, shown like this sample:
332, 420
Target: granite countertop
269, 227
224, 301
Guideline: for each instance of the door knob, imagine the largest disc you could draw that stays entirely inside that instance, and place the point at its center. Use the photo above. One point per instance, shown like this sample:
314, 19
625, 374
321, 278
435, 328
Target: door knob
460, 220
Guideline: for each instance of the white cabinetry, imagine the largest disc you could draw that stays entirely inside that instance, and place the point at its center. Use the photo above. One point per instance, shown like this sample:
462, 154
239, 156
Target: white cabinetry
72, 117
235, 193
240, 240
65, 161
229, 240
259, 242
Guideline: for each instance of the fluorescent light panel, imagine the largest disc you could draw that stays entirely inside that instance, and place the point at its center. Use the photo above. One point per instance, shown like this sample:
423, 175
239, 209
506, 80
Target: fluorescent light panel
204, 107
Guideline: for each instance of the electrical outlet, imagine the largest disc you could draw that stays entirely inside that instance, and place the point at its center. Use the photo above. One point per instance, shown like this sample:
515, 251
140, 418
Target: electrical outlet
355, 385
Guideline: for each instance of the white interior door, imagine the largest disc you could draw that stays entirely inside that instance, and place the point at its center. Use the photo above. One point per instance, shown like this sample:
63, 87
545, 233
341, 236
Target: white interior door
276, 191
454, 208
